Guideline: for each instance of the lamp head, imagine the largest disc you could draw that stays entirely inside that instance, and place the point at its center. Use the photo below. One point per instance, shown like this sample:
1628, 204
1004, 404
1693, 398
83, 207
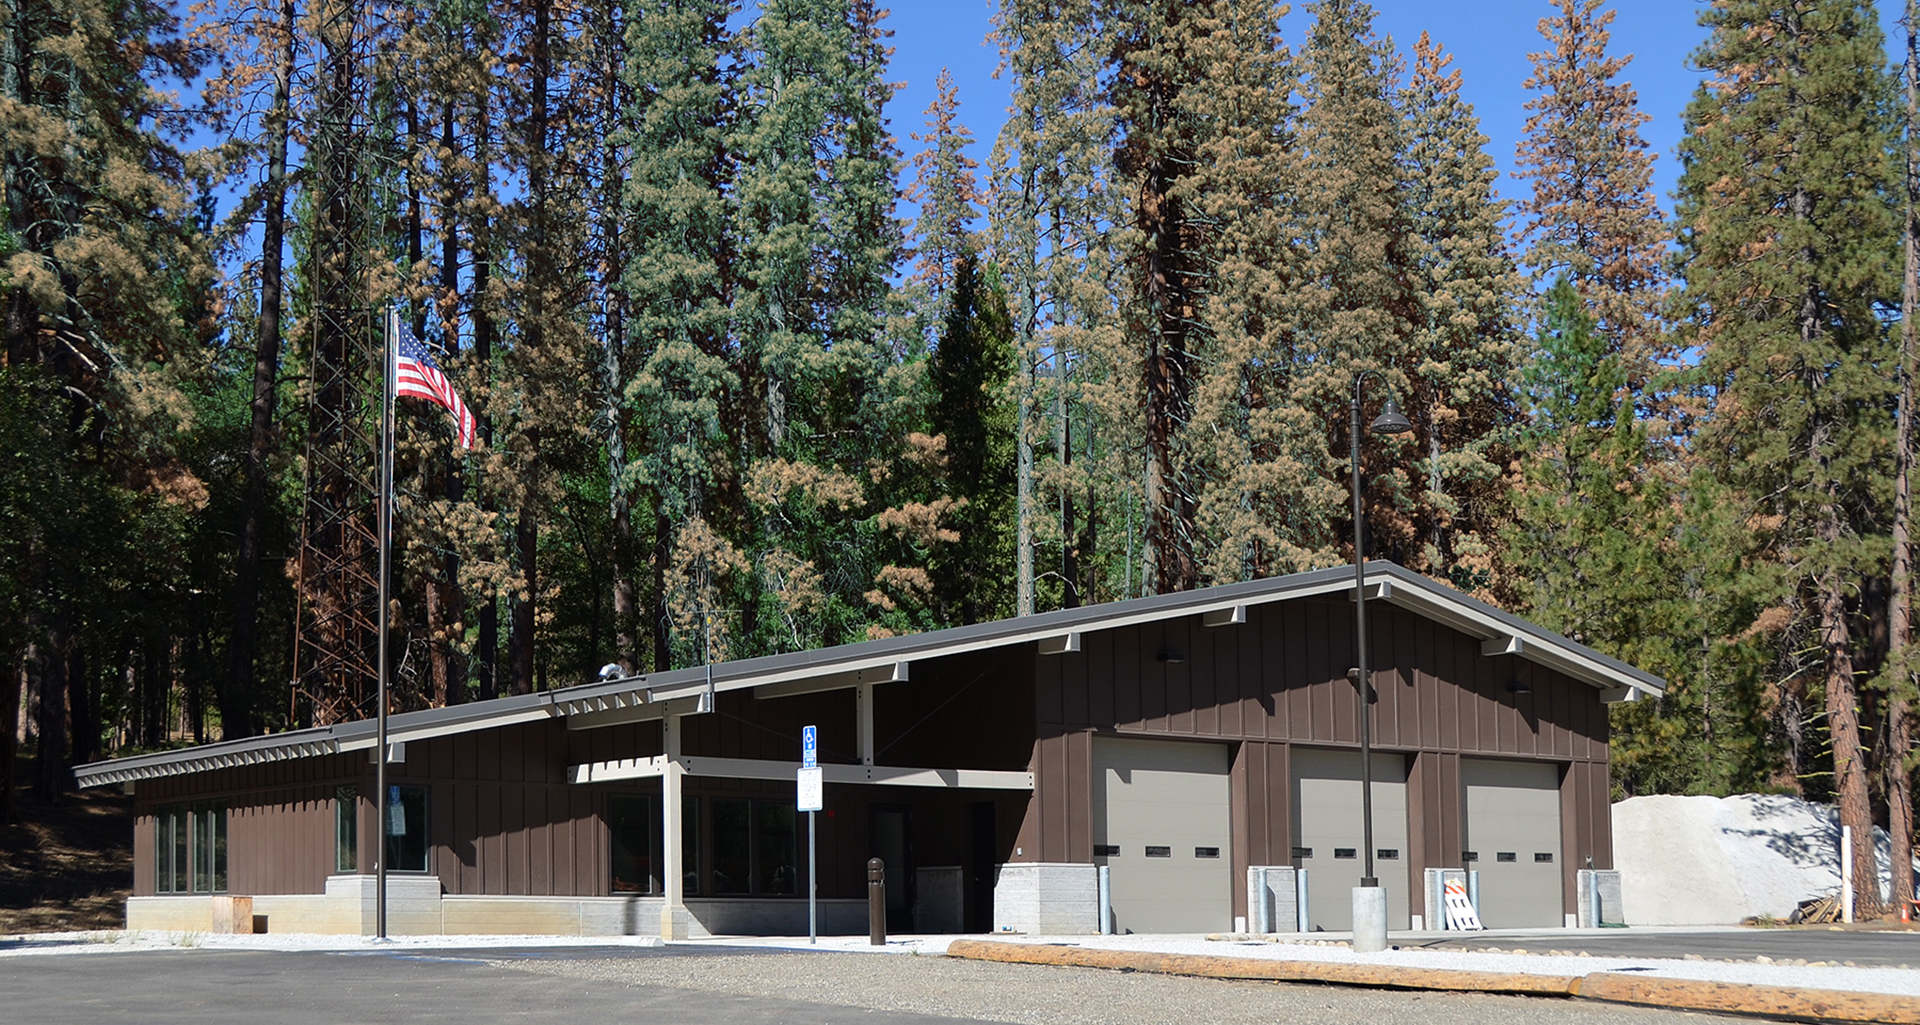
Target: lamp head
1391, 420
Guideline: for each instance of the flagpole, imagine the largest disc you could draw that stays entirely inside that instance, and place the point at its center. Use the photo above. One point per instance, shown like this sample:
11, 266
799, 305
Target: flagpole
385, 526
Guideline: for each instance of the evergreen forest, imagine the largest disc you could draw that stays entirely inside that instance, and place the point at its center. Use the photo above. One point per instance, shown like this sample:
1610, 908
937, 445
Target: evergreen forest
755, 371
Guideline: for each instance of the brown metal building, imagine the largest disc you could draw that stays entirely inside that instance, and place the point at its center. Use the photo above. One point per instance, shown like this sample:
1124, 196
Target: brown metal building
1177, 741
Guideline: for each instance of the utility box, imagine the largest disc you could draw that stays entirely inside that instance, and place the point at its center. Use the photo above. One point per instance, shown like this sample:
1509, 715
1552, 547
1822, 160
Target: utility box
938, 904
1273, 899
1605, 884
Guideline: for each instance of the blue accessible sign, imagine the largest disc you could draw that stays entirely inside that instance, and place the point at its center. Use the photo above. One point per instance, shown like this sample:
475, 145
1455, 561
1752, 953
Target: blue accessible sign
809, 747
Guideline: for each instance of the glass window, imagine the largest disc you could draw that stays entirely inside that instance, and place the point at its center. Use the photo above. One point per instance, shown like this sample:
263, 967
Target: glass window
630, 828
170, 849
346, 828
732, 846
190, 848
210, 847
406, 829
773, 848
689, 845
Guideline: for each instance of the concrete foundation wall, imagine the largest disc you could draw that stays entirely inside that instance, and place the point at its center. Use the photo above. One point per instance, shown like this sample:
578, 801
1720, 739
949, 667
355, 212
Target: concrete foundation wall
1046, 898
416, 907
745, 917
170, 914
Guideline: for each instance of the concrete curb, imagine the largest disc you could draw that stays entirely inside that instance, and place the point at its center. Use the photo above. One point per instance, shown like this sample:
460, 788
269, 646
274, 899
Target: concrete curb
1264, 969
1610, 987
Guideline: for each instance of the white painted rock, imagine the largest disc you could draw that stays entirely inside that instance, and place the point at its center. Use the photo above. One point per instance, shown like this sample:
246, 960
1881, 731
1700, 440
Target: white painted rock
1717, 860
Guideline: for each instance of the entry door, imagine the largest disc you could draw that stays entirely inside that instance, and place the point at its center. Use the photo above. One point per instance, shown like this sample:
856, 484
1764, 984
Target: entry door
1162, 826
891, 842
1329, 826
1513, 839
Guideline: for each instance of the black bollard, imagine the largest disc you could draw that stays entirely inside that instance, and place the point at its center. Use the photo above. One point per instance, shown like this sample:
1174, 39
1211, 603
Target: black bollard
876, 902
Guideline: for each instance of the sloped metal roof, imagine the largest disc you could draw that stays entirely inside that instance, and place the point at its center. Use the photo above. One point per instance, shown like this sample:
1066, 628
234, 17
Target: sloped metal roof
1502, 632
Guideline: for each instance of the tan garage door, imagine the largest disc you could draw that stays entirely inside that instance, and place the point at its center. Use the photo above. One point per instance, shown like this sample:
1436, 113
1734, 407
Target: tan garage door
1162, 825
1328, 827
1513, 839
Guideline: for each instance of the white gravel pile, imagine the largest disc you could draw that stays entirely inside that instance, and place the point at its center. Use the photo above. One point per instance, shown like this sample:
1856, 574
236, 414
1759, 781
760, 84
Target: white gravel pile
1718, 860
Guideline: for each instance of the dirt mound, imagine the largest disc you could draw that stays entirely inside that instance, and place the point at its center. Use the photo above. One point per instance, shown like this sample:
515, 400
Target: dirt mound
68, 865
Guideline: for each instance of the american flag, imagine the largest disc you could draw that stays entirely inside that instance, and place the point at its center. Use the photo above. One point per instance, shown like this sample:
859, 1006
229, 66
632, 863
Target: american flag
415, 374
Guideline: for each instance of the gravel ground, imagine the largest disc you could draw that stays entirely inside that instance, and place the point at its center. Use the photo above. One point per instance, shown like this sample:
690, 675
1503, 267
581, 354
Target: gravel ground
1042, 995
1543, 954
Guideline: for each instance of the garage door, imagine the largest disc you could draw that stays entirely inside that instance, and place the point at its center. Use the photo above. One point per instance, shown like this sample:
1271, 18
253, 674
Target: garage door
1328, 827
1161, 823
1513, 839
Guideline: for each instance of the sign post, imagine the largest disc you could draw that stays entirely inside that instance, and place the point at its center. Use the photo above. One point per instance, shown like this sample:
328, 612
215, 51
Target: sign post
810, 802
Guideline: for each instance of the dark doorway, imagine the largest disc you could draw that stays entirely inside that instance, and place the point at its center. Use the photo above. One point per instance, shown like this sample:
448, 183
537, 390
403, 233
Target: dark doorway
890, 839
980, 876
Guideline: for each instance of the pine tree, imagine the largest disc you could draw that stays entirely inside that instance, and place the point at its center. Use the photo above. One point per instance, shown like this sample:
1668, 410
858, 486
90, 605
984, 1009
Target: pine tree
1162, 251
1240, 191
970, 412
1050, 205
1358, 308
1462, 354
1898, 677
816, 242
1786, 225
103, 310
683, 391
266, 45
946, 190
1592, 215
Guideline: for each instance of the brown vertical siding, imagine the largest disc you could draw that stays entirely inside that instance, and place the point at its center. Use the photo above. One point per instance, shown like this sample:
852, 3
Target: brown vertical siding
1281, 678
1059, 821
1262, 814
1433, 814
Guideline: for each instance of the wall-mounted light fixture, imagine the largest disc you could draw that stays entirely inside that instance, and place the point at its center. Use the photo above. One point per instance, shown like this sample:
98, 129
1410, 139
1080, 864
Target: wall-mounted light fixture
1519, 687
1170, 657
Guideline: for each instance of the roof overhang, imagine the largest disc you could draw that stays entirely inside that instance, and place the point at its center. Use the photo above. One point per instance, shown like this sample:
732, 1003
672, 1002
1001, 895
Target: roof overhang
889, 661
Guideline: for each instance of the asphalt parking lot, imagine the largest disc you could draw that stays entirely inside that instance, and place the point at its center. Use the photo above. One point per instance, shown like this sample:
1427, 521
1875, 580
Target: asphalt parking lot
704, 986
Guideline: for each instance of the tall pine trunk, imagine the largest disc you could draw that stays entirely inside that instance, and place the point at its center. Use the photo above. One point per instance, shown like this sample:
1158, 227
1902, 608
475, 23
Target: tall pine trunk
11, 679
1899, 782
242, 645
51, 757
444, 595
1168, 384
1836, 639
540, 273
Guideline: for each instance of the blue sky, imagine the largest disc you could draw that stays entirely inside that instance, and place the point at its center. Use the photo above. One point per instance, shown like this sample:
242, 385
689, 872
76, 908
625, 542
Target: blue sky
1490, 40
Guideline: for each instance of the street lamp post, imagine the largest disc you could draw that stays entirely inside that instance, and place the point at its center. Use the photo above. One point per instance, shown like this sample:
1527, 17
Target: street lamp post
1369, 901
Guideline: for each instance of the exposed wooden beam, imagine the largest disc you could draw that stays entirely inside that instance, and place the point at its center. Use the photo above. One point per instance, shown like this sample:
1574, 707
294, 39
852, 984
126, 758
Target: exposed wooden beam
1234, 616
1060, 644
892, 672
368, 742
778, 771
649, 712
1508, 645
863, 722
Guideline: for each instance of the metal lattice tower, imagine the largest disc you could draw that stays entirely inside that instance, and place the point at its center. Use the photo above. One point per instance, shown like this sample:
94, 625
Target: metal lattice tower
335, 651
